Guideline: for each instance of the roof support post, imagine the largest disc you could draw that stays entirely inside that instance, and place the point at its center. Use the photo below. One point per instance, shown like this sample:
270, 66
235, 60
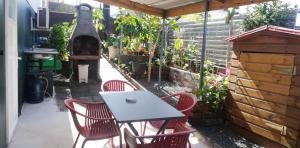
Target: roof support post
202, 57
162, 48
120, 45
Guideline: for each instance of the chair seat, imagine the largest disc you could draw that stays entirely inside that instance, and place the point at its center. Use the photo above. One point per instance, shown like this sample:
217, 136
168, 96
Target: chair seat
101, 130
159, 123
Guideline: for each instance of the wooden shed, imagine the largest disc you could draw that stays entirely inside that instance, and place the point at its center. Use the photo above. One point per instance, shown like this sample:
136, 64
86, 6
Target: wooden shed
264, 101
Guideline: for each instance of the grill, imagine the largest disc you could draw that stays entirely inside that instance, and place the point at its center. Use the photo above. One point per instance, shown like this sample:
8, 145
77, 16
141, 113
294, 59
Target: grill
85, 44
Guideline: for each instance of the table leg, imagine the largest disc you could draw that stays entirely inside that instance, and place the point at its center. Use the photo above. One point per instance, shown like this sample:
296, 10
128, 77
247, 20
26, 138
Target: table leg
163, 126
135, 131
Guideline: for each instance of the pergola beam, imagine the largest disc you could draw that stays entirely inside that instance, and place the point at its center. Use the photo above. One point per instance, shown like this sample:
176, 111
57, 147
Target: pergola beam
221, 1
213, 5
134, 6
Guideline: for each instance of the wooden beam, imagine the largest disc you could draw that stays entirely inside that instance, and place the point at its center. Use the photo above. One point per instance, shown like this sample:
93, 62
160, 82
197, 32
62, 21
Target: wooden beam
221, 1
213, 5
134, 6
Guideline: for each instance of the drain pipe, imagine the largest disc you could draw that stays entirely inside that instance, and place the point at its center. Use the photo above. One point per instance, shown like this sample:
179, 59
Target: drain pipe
202, 57
162, 48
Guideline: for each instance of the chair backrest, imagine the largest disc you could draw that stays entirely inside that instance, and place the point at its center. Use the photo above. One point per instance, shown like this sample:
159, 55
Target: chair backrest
93, 112
69, 103
177, 139
185, 104
117, 85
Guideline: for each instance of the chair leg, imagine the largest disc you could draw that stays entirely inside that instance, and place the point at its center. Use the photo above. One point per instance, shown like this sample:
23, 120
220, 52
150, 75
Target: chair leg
83, 143
189, 143
112, 143
74, 145
141, 127
144, 130
121, 141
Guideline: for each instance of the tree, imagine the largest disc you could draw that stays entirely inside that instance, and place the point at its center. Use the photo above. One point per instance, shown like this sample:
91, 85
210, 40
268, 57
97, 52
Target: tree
274, 13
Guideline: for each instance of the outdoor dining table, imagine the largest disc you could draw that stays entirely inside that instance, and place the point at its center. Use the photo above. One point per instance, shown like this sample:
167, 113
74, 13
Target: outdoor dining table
138, 106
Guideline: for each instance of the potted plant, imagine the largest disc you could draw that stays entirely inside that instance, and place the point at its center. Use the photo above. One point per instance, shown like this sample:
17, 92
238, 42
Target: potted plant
58, 39
112, 44
209, 108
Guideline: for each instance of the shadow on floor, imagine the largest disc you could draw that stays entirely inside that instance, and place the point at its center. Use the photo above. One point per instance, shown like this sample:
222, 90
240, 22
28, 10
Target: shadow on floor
223, 136
89, 92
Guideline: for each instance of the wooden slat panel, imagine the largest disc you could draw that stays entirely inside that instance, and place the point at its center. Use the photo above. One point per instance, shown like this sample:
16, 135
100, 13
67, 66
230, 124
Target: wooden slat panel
233, 71
231, 86
271, 116
232, 78
267, 48
276, 59
296, 80
270, 106
234, 63
268, 96
276, 88
234, 56
267, 68
264, 95
279, 129
263, 132
260, 140
267, 40
266, 105
295, 91
297, 59
268, 77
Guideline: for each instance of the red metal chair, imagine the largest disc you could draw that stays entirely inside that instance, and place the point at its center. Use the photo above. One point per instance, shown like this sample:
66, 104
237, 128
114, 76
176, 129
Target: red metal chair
116, 85
177, 139
185, 104
98, 124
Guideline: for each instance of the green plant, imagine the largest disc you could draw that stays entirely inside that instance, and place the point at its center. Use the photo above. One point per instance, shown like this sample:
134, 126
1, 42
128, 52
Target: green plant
215, 88
97, 18
178, 48
141, 29
274, 13
111, 40
58, 39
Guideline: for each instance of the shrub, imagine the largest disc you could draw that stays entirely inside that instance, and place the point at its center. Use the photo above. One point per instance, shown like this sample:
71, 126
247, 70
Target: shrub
274, 13
58, 39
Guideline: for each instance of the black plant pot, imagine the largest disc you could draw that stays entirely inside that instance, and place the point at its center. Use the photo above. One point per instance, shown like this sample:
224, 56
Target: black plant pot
65, 69
138, 69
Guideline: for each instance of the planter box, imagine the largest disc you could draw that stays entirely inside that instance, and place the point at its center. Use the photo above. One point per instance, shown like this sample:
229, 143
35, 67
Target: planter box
138, 69
203, 115
113, 52
183, 78
125, 59
165, 72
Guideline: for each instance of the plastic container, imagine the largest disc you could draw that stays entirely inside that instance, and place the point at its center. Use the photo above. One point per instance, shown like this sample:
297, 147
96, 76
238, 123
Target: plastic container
34, 90
83, 73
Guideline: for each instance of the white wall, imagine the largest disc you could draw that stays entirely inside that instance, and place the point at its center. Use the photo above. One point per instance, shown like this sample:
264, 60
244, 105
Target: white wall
11, 66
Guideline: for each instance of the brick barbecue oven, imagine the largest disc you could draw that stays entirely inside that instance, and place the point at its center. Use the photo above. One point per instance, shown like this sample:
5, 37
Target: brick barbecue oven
85, 44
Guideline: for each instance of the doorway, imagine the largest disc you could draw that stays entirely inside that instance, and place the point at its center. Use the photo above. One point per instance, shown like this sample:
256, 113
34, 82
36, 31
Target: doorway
11, 66
2, 79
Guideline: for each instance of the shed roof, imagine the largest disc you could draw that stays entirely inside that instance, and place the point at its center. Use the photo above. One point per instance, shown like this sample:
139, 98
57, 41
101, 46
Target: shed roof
170, 8
264, 29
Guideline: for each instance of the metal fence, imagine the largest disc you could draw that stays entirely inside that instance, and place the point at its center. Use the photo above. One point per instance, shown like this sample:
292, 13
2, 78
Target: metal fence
218, 49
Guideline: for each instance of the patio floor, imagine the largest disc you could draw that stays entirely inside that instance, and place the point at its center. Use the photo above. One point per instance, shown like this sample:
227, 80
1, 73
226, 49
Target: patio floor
45, 125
